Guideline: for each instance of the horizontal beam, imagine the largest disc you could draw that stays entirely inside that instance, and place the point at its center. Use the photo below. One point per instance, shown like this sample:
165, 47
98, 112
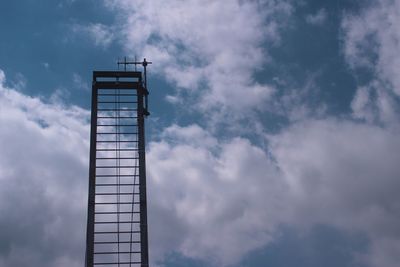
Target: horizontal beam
119, 167
115, 263
118, 117
117, 125
127, 176
112, 74
117, 252
116, 242
116, 222
116, 194
116, 212
115, 203
119, 133
116, 102
116, 109
116, 94
117, 232
116, 184
118, 85
114, 149
119, 158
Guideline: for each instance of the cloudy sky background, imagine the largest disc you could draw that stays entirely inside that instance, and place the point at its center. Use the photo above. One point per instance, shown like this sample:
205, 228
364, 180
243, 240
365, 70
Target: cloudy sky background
273, 138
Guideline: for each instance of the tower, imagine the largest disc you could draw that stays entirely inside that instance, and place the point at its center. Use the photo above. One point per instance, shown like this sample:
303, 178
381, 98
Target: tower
117, 205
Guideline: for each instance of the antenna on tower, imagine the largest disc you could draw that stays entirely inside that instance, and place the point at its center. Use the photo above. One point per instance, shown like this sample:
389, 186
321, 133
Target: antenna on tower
126, 62
144, 63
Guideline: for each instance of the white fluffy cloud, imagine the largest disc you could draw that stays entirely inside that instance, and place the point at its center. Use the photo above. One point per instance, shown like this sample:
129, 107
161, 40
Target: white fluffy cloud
224, 200
213, 198
209, 198
43, 166
345, 174
209, 48
375, 104
220, 208
371, 41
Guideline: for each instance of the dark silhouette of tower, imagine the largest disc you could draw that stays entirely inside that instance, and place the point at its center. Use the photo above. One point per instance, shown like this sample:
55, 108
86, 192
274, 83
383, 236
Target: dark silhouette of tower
117, 205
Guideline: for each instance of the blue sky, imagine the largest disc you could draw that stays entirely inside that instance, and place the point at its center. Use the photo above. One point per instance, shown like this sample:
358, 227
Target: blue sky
273, 138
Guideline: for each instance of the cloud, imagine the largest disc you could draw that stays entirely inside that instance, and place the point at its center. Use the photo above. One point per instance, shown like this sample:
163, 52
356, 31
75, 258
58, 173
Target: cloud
216, 207
101, 34
79, 82
211, 49
212, 197
371, 40
371, 43
374, 104
318, 18
43, 177
64, 3
222, 199
344, 174
46, 65
43, 167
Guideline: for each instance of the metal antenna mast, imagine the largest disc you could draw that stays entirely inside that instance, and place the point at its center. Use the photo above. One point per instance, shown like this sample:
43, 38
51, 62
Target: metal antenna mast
117, 232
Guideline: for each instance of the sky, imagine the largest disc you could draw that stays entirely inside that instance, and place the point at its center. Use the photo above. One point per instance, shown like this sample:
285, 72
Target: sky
273, 138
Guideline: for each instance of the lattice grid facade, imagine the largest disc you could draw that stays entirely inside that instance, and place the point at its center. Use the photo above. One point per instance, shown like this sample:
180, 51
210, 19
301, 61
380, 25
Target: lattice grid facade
117, 206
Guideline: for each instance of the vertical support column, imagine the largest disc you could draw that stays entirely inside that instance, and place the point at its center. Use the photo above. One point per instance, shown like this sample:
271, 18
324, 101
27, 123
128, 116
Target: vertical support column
142, 180
92, 181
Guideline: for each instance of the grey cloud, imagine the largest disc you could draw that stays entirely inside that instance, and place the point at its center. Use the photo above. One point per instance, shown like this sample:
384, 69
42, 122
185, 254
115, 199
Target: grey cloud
214, 200
226, 207
318, 18
43, 165
232, 200
370, 40
209, 48
344, 174
101, 34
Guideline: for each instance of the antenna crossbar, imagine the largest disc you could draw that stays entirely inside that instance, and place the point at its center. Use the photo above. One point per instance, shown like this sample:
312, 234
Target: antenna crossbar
127, 62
